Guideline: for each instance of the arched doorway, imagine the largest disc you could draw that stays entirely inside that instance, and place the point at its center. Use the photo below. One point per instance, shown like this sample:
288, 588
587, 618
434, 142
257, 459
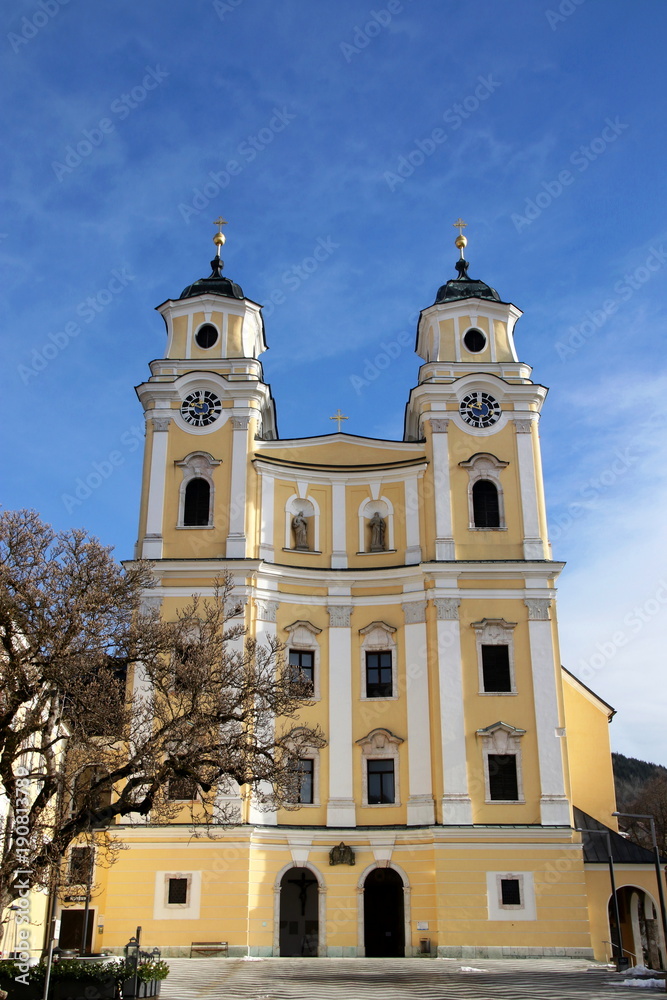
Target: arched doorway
299, 924
640, 926
384, 915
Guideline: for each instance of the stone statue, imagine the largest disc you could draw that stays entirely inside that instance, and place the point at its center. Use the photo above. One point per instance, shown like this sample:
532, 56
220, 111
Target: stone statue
341, 855
377, 532
300, 529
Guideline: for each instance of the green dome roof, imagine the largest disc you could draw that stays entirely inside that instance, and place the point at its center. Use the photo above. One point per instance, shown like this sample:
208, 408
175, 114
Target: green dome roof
215, 284
464, 287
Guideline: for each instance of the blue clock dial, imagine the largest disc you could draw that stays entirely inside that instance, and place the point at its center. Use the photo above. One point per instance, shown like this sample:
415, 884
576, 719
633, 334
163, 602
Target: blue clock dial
201, 408
479, 409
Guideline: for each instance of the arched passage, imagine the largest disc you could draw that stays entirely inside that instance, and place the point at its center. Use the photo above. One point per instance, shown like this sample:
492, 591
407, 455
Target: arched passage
384, 914
640, 927
299, 919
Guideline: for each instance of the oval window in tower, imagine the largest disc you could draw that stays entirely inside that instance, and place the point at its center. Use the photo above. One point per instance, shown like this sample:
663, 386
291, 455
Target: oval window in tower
474, 340
206, 335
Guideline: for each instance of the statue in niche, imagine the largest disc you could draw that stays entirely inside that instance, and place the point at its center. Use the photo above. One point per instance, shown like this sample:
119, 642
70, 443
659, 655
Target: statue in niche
378, 528
300, 529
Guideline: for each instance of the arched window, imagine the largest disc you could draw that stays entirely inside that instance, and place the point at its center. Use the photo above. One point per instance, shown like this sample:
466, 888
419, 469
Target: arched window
197, 502
485, 506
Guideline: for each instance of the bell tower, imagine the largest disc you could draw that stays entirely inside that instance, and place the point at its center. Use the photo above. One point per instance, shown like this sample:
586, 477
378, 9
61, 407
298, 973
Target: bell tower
204, 404
477, 404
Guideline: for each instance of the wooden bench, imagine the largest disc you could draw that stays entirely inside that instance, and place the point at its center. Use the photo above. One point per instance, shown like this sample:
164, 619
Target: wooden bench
208, 948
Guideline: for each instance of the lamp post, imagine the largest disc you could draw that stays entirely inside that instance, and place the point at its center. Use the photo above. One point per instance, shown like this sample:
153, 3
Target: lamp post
612, 878
658, 871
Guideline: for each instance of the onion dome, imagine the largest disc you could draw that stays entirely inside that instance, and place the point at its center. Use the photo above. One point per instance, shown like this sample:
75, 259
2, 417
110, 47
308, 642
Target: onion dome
216, 283
464, 287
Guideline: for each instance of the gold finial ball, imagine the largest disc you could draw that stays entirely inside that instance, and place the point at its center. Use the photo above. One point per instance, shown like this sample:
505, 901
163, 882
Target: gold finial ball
219, 239
460, 242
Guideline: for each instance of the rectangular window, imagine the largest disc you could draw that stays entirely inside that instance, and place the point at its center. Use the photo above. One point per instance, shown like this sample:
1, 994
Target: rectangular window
178, 890
378, 675
306, 775
381, 788
496, 673
302, 669
510, 892
80, 865
503, 783
181, 789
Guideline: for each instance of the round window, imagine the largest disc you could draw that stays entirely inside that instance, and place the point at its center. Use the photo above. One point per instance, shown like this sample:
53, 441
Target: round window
207, 335
474, 341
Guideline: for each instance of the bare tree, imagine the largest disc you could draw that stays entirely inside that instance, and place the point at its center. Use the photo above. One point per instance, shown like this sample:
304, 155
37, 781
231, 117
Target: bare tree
103, 704
651, 800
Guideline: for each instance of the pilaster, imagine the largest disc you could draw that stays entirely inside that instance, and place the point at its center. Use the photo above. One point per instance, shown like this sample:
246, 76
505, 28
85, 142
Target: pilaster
533, 545
421, 809
456, 804
236, 538
444, 537
152, 542
340, 808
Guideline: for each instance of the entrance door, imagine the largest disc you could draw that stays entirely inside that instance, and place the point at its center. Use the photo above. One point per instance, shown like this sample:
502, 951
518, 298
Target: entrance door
298, 913
384, 922
71, 929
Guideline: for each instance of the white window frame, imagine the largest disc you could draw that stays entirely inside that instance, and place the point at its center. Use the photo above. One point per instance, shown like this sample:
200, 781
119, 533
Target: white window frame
303, 638
380, 744
198, 464
378, 637
502, 739
484, 465
164, 910
310, 753
495, 632
497, 910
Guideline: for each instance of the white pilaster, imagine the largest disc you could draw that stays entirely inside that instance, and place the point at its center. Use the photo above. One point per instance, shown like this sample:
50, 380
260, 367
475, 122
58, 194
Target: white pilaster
339, 533
554, 806
264, 631
533, 546
340, 809
444, 538
236, 539
413, 552
152, 543
456, 805
421, 808
266, 545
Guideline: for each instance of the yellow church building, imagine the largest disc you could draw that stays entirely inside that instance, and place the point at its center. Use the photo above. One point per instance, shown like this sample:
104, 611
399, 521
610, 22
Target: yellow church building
413, 585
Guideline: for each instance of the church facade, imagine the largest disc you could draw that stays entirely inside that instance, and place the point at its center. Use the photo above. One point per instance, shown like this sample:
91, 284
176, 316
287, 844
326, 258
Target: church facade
413, 585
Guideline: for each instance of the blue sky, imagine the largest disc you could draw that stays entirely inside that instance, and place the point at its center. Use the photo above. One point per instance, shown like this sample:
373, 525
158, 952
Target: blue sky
364, 130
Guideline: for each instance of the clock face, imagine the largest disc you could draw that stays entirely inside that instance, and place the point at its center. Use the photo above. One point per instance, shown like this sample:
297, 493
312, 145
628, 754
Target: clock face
479, 409
201, 408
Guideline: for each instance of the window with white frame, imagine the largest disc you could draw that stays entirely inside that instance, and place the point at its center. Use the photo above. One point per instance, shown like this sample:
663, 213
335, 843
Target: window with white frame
177, 895
196, 492
511, 896
303, 657
486, 507
380, 768
502, 762
378, 661
305, 784
495, 655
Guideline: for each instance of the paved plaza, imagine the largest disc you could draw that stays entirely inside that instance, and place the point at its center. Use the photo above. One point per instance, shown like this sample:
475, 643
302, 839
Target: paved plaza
391, 979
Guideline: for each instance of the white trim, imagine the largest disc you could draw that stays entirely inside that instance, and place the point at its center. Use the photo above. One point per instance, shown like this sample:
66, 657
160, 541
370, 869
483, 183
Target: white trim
456, 804
533, 544
236, 537
444, 535
321, 907
484, 465
266, 542
377, 638
302, 637
338, 525
190, 910
555, 808
302, 503
421, 807
503, 740
380, 744
494, 632
497, 910
152, 546
407, 909
367, 509
198, 464
341, 807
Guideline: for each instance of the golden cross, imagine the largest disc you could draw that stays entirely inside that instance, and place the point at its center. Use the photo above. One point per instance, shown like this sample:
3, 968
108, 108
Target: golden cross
220, 223
338, 416
460, 225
